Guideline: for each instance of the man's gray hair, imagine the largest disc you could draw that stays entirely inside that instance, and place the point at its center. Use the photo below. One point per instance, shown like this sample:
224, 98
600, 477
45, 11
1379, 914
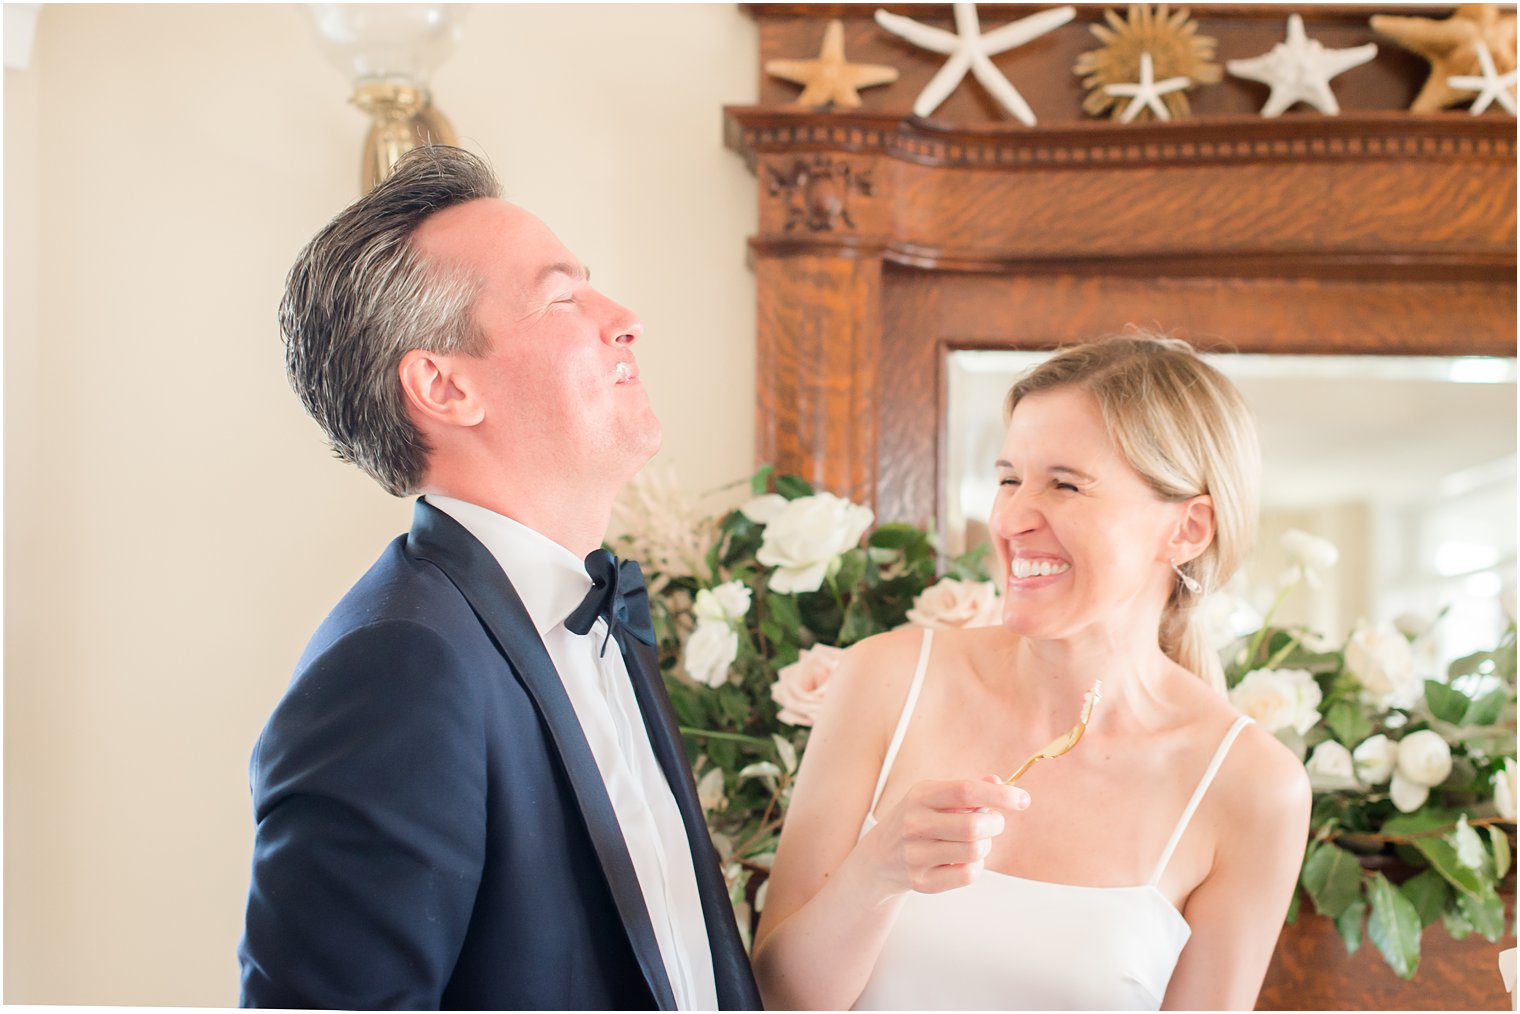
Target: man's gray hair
360, 297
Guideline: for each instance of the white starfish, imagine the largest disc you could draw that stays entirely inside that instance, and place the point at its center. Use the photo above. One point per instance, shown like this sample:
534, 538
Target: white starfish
1491, 87
1148, 91
1300, 69
969, 49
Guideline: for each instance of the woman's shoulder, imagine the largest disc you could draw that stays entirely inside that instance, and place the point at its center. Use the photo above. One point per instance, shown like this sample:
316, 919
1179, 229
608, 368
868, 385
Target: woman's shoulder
892, 658
1262, 779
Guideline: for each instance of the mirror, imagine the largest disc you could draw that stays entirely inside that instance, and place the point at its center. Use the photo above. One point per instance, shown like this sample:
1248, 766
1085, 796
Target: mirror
1406, 463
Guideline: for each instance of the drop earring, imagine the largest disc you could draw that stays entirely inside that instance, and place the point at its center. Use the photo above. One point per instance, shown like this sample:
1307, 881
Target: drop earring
1188, 581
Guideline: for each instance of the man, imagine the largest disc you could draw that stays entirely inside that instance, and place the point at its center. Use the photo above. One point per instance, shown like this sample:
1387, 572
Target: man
462, 801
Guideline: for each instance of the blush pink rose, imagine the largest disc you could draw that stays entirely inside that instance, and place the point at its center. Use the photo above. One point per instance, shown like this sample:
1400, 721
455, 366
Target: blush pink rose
800, 687
951, 603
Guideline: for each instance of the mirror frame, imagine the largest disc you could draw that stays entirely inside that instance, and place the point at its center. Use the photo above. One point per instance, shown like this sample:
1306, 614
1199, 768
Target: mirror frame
885, 243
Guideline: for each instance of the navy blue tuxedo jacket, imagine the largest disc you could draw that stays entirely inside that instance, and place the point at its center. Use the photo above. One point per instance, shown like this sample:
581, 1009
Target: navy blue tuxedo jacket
432, 830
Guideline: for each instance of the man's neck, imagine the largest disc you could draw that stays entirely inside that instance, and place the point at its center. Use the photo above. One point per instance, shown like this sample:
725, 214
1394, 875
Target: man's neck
576, 520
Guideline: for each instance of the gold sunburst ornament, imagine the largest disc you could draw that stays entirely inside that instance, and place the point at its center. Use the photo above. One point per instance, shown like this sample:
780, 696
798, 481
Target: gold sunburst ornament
1168, 41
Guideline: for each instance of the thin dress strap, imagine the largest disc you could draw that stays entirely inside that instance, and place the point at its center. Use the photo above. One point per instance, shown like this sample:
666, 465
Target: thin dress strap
1203, 786
902, 722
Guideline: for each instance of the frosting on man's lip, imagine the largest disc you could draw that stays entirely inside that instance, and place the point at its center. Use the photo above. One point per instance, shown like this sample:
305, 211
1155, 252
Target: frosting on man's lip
625, 372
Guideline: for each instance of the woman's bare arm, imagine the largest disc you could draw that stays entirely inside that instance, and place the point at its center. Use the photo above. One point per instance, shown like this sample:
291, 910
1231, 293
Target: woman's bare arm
831, 901
1236, 914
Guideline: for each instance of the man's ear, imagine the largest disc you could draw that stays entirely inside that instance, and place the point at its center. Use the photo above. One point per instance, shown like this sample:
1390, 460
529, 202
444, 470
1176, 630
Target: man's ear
1195, 529
438, 391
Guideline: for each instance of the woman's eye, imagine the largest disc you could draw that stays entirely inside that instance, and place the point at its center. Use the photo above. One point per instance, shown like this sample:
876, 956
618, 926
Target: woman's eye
1066, 486
1008, 481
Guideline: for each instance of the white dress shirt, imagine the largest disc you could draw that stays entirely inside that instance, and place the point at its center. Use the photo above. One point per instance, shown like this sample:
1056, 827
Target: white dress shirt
551, 582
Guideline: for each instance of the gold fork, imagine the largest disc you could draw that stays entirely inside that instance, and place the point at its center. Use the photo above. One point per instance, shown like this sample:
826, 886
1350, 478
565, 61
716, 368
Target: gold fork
1064, 742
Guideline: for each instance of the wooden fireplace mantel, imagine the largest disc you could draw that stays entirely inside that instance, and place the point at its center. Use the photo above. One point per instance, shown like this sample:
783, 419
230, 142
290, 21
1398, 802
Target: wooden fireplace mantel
885, 241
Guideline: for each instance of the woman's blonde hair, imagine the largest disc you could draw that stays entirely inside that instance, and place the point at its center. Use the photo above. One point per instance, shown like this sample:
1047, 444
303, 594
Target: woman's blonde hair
1185, 429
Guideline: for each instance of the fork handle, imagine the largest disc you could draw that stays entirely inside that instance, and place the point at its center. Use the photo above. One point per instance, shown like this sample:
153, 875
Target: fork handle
1022, 771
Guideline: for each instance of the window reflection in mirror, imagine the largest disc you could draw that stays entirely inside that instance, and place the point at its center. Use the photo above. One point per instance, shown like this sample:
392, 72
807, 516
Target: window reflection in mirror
1407, 464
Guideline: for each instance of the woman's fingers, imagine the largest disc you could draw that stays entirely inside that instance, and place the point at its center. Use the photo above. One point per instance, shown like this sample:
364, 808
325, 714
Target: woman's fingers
965, 794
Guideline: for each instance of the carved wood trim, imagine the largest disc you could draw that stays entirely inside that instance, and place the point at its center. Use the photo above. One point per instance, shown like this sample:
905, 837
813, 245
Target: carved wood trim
1229, 140
883, 242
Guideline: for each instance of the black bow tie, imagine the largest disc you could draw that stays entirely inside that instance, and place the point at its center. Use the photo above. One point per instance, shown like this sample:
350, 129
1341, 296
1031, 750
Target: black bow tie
617, 595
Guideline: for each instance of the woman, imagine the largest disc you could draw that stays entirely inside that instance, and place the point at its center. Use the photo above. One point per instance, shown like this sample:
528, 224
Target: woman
1152, 865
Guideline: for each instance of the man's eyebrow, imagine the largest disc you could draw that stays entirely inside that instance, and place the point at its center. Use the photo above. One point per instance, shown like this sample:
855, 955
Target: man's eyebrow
566, 268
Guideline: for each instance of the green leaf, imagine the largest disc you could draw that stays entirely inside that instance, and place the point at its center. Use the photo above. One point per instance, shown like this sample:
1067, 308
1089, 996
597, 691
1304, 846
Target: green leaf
857, 625
761, 481
1486, 709
1445, 703
1478, 661
1317, 662
972, 565
1333, 878
1393, 926
1293, 904
852, 570
1347, 723
1500, 841
1485, 913
1443, 857
1428, 893
1429, 818
792, 487
1457, 925
894, 535
1349, 925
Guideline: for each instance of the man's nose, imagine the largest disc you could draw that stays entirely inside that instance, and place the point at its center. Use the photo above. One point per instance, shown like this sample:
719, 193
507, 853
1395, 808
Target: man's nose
624, 326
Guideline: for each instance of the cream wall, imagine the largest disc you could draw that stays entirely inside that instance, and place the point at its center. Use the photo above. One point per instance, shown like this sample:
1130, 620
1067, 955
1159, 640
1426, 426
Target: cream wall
174, 527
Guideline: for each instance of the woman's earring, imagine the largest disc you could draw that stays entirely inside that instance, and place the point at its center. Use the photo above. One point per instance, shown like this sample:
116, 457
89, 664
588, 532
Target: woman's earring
1188, 582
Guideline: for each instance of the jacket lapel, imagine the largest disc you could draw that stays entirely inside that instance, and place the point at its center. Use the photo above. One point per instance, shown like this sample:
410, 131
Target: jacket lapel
442, 541
736, 984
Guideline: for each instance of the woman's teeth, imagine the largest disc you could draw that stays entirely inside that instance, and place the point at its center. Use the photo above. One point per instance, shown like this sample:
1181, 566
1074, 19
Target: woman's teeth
1038, 568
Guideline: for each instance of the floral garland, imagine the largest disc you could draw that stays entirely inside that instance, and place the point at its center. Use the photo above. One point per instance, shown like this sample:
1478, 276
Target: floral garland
1411, 775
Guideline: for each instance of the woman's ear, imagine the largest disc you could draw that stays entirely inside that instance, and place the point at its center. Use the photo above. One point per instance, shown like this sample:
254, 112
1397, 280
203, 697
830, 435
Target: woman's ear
438, 391
1195, 529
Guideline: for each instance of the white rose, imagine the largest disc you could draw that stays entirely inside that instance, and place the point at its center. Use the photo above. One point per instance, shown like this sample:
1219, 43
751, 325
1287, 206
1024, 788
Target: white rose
1279, 699
950, 603
1224, 617
1330, 768
728, 601
1412, 624
806, 536
1504, 789
1308, 555
710, 650
1406, 795
800, 687
762, 510
1382, 662
1424, 758
1375, 757
710, 790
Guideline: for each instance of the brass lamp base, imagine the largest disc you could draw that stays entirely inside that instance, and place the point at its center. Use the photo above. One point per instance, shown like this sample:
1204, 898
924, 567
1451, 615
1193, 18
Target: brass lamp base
402, 117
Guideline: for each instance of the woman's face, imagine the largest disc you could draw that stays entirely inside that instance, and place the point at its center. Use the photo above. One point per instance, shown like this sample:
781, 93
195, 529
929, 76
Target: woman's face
1082, 540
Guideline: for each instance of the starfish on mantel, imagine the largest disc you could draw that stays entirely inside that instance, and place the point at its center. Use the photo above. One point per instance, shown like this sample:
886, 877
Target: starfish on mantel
1299, 70
829, 78
969, 49
1451, 46
1491, 86
1146, 94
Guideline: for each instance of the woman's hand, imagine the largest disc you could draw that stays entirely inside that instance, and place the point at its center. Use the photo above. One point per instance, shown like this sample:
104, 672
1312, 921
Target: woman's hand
937, 838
